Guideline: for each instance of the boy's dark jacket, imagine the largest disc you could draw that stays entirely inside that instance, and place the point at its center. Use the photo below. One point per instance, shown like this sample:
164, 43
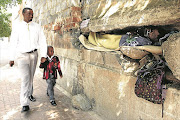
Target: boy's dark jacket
49, 67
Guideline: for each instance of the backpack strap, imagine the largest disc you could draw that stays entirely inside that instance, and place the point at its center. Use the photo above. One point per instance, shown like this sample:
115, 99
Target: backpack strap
164, 89
162, 108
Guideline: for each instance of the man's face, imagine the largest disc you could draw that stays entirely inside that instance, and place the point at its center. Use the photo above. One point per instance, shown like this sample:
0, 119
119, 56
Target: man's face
154, 34
28, 16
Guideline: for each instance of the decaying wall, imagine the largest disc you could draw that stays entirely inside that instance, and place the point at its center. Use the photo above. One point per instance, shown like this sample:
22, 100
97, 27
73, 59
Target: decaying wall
105, 80
114, 14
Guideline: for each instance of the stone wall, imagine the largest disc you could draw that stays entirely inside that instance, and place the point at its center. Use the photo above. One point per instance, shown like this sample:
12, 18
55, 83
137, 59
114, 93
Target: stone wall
114, 14
108, 84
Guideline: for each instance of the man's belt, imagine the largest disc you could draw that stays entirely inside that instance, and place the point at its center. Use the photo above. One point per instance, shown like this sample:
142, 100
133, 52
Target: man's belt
32, 51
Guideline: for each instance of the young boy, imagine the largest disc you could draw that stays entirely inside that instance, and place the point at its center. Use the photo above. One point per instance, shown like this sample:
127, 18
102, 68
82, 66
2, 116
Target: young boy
51, 66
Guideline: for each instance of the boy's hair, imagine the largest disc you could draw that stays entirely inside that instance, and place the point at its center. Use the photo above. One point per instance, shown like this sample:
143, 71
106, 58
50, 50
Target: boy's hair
24, 10
49, 47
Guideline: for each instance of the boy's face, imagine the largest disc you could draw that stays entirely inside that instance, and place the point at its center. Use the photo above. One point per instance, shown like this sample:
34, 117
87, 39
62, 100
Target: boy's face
50, 51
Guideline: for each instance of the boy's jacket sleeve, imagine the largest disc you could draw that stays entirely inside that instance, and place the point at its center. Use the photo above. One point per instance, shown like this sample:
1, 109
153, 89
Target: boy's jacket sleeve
44, 65
59, 67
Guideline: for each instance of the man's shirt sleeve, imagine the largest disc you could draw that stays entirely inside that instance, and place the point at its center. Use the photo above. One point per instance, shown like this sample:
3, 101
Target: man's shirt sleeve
13, 43
42, 43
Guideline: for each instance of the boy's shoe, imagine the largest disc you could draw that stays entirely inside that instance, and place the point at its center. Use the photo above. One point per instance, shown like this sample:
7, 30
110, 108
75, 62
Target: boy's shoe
31, 98
47, 94
53, 103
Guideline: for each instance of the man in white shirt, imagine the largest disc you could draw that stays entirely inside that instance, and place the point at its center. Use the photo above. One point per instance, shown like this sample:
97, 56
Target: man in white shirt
26, 38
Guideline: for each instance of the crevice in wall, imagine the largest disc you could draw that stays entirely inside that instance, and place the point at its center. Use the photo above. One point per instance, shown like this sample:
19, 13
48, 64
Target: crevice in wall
163, 30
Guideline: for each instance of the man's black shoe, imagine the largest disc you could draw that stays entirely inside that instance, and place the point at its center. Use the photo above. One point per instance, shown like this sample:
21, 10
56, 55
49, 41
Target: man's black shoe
31, 98
47, 94
25, 108
53, 103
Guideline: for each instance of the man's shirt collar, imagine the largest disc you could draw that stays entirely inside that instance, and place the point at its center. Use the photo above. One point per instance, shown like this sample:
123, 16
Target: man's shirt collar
26, 22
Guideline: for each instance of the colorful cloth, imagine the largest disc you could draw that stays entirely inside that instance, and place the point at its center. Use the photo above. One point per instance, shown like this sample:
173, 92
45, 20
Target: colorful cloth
129, 40
49, 67
149, 82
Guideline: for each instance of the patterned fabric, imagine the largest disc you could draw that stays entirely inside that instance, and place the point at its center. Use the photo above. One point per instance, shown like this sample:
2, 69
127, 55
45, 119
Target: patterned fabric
129, 40
149, 82
49, 67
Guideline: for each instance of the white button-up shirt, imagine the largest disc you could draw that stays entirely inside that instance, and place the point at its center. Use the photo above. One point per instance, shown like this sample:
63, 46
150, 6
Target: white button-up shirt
26, 37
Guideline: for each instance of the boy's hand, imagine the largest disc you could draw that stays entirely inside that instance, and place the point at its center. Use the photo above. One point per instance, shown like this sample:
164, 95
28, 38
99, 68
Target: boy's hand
55, 64
11, 63
43, 59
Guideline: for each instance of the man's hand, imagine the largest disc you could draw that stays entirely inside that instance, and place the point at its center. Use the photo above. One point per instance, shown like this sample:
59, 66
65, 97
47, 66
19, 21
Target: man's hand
43, 59
11, 63
61, 76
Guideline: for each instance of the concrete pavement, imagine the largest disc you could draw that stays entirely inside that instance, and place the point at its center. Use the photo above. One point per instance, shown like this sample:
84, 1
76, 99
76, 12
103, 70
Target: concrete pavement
10, 108
4, 52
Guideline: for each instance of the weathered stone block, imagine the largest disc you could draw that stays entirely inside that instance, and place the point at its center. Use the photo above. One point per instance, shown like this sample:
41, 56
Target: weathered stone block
128, 65
63, 5
96, 57
53, 11
111, 60
68, 20
92, 10
58, 9
76, 13
36, 2
81, 72
43, 2
86, 55
68, 53
85, 12
75, 9
47, 14
75, 33
81, 102
108, 89
171, 49
89, 2
76, 19
49, 4
69, 71
73, 3
44, 22
50, 19
54, 3
134, 14
66, 13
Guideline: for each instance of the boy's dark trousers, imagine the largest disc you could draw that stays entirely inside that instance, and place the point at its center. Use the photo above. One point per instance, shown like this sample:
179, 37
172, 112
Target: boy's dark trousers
50, 89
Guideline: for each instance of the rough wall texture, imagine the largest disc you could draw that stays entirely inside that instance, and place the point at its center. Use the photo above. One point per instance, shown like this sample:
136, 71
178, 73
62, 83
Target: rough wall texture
114, 14
98, 74
171, 49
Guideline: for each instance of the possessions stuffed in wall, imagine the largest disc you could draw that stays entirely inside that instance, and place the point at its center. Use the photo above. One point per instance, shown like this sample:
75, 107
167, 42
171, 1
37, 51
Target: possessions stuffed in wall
150, 84
143, 45
139, 42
